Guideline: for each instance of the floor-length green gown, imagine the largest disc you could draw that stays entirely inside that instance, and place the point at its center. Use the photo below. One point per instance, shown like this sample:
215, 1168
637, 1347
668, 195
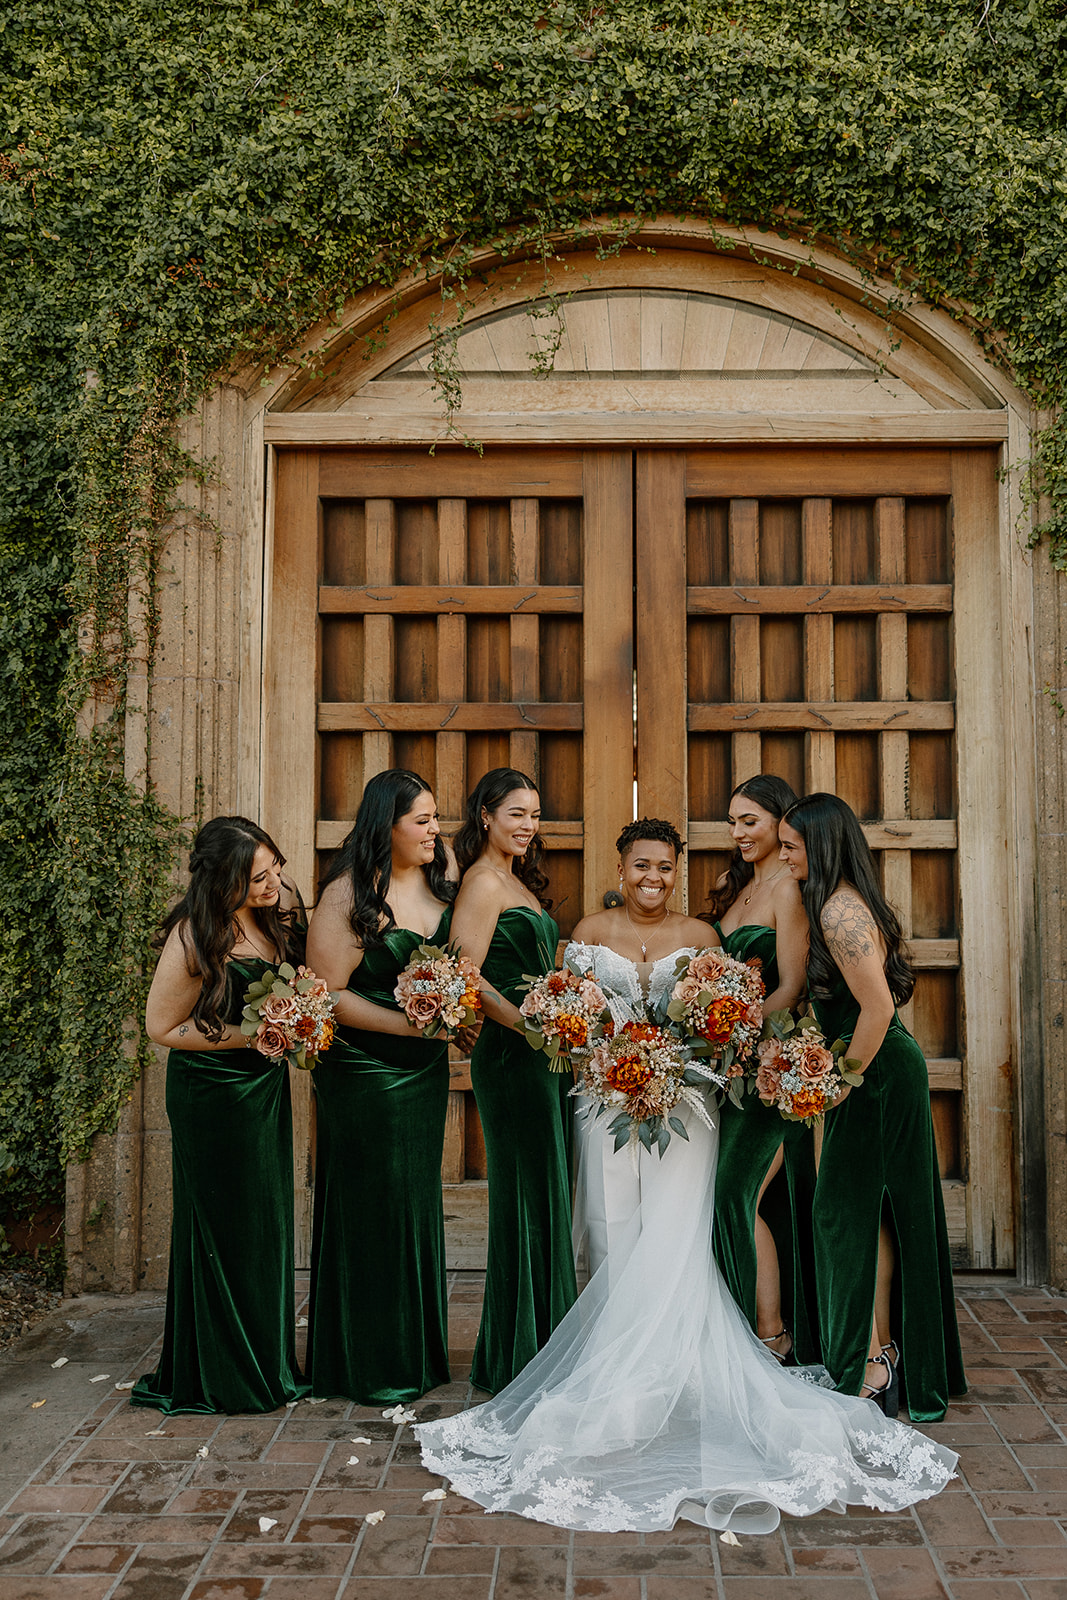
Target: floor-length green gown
749, 1136
878, 1158
527, 1119
228, 1338
377, 1328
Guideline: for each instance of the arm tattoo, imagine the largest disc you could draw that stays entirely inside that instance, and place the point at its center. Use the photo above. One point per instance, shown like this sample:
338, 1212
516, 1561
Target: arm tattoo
182, 1031
849, 929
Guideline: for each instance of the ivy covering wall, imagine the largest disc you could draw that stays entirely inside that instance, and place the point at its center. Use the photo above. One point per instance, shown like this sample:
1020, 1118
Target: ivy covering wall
185, 187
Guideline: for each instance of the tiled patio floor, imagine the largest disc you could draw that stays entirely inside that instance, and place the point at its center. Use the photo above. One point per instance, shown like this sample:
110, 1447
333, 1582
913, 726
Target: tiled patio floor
120, 1512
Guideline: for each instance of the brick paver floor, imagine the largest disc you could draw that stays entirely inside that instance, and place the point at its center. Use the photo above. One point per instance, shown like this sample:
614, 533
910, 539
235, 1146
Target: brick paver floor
131, 1507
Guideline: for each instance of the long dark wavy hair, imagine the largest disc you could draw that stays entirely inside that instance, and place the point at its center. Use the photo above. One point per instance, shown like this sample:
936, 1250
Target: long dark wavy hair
775, 796
489, 795
220, 872
838, 853
366, 856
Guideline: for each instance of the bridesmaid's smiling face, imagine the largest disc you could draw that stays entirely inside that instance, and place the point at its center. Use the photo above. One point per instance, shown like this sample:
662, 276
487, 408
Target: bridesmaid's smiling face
792, 851
753, 829
415, 833
647, 875
514, 822
265, 880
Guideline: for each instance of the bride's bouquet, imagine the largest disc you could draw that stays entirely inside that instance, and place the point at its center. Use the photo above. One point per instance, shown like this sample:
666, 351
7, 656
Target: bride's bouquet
565, 1013
642, 1074
716, 1008
798, 1072
438, 990
288, 1015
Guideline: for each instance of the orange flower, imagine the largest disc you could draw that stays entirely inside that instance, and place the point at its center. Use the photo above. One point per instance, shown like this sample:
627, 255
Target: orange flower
641, 1031
809, 1102
305, 1028
721, 1019
556, 983
326, 1038
628, 1073
572, 1029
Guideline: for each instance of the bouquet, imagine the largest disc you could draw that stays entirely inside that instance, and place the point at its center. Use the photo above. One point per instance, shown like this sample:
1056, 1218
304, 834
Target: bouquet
565, 1013
288, 1015
715, 1006
642, 1074
798, 1072
438, 990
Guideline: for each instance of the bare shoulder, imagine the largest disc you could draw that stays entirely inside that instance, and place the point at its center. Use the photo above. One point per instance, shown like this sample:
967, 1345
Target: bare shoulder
451, 864
695, 931
849, 927
177, 957
481, 889
786, 896
592, 929
336, 898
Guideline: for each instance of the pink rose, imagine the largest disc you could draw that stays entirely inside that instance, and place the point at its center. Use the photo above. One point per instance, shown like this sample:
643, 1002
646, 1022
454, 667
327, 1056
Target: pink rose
813, 1062
271, 1040
421, 1009
766, 1082
591, 995
279, 1008
769, 1053
686, 990
707, 966
754, 1015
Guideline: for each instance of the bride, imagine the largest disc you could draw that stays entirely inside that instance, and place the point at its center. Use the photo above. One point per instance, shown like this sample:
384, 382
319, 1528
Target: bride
653, 1400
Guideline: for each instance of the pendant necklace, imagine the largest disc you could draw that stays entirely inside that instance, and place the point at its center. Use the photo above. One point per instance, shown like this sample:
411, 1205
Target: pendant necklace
644, 946
756, 885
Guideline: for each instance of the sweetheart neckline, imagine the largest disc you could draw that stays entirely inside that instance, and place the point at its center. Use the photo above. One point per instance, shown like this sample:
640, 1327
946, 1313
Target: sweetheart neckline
689, 950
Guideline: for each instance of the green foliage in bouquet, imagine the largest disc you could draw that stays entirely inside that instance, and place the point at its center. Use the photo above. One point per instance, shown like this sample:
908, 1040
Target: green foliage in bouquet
282, 985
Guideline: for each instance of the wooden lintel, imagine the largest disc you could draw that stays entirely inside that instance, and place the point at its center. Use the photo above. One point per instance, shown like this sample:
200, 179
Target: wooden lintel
928, 955
945, 1073
371, 426
444, 599
809, 599
837, 716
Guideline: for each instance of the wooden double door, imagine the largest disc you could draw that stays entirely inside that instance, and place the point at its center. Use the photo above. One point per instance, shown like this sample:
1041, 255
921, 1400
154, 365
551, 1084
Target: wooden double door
647, 628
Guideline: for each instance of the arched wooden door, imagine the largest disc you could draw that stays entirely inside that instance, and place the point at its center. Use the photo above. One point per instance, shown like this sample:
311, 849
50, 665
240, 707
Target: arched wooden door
825, 614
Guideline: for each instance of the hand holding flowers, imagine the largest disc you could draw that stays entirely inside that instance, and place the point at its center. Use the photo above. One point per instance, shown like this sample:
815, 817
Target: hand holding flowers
438, 991
566, 1014
715, 1006
288, 1015
798, 1072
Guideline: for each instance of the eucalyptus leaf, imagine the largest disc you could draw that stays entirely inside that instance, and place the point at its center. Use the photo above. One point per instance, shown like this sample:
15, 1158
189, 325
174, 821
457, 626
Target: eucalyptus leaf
679, 1128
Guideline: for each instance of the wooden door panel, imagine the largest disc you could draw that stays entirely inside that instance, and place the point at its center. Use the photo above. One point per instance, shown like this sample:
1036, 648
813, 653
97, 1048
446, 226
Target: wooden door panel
825, 641
451, 614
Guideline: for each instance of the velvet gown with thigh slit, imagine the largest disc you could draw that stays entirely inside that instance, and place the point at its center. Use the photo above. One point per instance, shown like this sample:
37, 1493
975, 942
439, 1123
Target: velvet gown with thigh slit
749, 1137
228, 1339
526, 1117
879, 1160
377, 1312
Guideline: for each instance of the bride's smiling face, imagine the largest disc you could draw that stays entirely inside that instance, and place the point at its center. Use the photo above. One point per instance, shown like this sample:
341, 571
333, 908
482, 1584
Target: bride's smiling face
648, 872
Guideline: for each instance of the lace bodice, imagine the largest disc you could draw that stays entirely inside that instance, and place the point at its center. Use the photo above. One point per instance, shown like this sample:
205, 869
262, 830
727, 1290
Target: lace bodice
620, 979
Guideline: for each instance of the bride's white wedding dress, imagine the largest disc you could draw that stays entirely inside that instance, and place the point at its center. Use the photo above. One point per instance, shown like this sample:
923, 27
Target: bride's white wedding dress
653, 1399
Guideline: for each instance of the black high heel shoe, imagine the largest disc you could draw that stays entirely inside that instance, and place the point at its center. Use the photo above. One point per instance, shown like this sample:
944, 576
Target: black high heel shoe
887, 1397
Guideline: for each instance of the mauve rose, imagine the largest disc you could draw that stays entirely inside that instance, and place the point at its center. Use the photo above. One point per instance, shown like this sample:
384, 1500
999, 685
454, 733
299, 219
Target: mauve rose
271, 1040
686, 990
278, 1008
768, 1051
766, 1082
754, 1015
422, 1009
707, 966
814, 1060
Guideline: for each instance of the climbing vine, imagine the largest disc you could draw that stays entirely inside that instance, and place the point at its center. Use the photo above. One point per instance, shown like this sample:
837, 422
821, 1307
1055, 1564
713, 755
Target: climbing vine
187, 188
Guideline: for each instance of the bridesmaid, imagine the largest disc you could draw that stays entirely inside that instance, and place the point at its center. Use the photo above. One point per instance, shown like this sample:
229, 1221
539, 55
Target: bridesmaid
228, 1339
502, 924
881, 1247
763, 1239
377, 1312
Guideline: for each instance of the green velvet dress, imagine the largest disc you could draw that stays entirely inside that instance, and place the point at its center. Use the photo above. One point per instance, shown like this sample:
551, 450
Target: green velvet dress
878, 1158
228, 1338
377, 1312
527, 1119
749, 1137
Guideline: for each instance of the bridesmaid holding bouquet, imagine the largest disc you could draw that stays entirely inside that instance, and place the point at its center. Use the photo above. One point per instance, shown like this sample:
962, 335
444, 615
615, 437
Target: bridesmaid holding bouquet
881, 1247
228, 1340
377, 1316
762, 1227
502, 924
